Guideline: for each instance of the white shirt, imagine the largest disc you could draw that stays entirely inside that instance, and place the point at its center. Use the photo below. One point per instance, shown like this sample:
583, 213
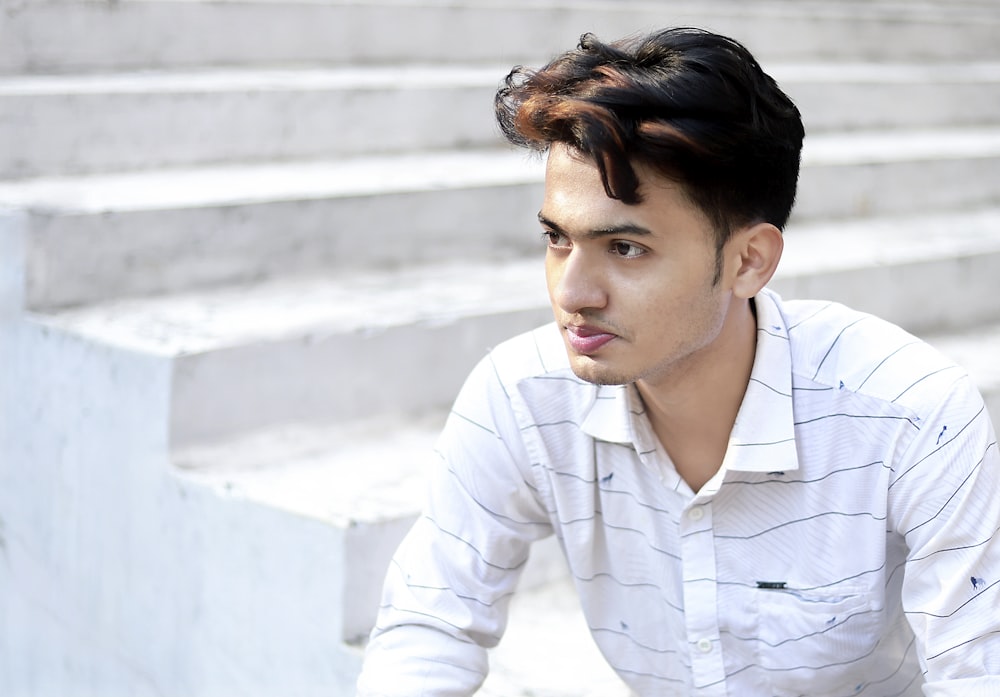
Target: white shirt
848, 545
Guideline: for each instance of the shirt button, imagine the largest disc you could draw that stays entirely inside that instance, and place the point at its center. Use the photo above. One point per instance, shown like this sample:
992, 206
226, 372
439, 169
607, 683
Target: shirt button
696, 513
704, 645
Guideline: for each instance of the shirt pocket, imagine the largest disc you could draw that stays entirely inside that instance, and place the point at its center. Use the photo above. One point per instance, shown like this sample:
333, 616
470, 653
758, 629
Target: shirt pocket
817, 642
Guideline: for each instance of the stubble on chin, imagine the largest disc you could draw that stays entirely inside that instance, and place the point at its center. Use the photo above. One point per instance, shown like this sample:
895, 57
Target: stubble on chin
587, 370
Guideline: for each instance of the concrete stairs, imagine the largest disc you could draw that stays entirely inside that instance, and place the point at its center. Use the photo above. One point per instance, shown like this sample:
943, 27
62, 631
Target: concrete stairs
250, 249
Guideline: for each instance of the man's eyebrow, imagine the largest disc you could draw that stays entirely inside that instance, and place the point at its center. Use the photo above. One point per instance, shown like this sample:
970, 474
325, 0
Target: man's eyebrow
610, 231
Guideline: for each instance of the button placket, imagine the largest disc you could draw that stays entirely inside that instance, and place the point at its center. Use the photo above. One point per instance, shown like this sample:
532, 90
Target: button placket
700, 599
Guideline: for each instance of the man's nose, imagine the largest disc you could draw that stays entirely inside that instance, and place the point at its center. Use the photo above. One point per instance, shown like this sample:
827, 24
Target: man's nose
576, 283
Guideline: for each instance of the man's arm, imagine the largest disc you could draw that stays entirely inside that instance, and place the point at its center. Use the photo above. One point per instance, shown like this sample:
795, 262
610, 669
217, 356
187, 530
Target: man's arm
946, 501
448, 586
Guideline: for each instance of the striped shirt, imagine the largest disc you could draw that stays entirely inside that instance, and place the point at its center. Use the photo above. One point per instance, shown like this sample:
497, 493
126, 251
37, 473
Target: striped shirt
847, 546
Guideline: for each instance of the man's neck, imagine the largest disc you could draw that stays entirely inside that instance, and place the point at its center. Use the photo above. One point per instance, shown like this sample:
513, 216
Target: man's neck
692, 413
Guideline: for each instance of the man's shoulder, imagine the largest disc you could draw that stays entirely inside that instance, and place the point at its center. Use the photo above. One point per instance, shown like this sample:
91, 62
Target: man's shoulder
838, 347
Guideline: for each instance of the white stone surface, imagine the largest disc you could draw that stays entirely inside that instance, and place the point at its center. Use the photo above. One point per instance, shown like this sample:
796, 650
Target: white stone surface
118, 578
344, 474
92, 123
363, 478
76, 34
13, 236
181, 231
360, 301
266, 183
62, 124
267, 355
925, 272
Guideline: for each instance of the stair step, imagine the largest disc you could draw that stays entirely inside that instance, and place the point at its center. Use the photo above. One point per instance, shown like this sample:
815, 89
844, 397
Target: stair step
926, 272
98, 237
364, 478
250, 357
80, 35
73, 124
358, 472
877, 173
866, 96
323, 349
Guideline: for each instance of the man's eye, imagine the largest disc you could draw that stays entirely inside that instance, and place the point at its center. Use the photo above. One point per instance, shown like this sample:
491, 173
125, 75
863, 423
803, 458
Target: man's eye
627, 249
554, 239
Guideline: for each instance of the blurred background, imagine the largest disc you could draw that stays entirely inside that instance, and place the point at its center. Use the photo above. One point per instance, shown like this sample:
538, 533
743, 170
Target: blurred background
249, 249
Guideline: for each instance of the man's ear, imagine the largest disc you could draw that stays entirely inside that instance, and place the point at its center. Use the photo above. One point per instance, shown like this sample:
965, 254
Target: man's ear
755, 253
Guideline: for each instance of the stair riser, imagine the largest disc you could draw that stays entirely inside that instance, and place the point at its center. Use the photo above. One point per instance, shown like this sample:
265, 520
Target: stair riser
55, 133
888, 188
827, 106
922, 296
108, 132
86, 258
337, 377
368, 550
67, 36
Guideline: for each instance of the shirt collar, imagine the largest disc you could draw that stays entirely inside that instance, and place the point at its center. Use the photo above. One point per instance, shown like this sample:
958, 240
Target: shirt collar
763, 437
610, 415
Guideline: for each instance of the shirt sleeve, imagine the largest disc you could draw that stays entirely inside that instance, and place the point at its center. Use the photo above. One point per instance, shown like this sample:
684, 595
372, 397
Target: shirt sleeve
447, 590
945, 500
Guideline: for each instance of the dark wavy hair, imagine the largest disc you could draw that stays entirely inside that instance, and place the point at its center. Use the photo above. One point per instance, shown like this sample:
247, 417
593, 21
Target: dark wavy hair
693, 106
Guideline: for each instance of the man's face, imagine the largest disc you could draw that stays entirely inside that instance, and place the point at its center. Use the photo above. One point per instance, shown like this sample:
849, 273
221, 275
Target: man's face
631, 286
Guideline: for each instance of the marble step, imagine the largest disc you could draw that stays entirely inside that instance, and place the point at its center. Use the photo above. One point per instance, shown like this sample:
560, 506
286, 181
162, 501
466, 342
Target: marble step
99, 237
72, 124
362, 345
66, 124
72, 35
925, 272
104, 236
365, 480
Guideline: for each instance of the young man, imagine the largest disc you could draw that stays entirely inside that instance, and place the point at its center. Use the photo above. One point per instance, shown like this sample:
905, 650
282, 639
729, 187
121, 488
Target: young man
754, 497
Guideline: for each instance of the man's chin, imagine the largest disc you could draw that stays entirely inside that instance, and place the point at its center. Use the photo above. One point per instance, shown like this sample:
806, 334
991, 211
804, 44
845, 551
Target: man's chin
590, 371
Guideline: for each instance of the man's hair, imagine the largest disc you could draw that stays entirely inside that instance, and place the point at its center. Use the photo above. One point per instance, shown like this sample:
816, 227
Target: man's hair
693, 106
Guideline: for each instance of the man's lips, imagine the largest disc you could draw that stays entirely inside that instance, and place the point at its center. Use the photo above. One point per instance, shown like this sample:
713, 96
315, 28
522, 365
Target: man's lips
587, 340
